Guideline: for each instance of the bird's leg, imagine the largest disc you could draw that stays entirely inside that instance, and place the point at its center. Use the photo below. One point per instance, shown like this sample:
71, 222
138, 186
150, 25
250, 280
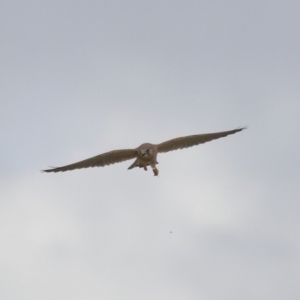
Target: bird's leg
155, 171
145, 168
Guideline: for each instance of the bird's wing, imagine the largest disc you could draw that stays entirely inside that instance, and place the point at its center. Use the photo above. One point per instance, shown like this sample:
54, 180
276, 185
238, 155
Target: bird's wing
193, 140
101, 160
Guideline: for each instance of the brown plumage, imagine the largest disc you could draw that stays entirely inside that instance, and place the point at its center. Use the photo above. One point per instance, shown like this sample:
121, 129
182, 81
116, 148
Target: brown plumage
146, 153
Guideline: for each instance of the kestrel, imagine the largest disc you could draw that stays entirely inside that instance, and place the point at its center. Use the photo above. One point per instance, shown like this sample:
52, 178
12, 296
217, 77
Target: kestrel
145, 154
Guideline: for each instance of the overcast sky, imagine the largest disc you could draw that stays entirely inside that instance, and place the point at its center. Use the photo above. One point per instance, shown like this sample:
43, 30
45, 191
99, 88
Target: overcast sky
79, 78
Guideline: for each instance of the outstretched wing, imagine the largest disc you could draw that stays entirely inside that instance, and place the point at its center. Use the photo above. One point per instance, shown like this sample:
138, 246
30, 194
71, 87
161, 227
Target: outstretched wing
193, 140
101, 160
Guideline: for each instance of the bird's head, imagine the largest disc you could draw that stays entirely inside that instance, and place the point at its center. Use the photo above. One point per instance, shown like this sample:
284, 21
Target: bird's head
145, 150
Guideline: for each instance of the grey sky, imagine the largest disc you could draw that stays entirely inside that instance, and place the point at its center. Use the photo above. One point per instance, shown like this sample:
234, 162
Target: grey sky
79, 78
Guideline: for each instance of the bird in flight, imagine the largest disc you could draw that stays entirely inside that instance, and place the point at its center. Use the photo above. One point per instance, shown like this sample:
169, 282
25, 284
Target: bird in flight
145, 155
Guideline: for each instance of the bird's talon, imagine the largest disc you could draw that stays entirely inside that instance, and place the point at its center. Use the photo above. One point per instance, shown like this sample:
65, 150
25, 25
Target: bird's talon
155, 171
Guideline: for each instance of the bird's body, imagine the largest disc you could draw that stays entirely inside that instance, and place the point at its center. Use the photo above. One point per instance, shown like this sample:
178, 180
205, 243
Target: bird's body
145, 154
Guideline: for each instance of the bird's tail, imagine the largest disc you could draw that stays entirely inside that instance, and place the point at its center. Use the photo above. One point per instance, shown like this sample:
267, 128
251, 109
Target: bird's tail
135, 164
